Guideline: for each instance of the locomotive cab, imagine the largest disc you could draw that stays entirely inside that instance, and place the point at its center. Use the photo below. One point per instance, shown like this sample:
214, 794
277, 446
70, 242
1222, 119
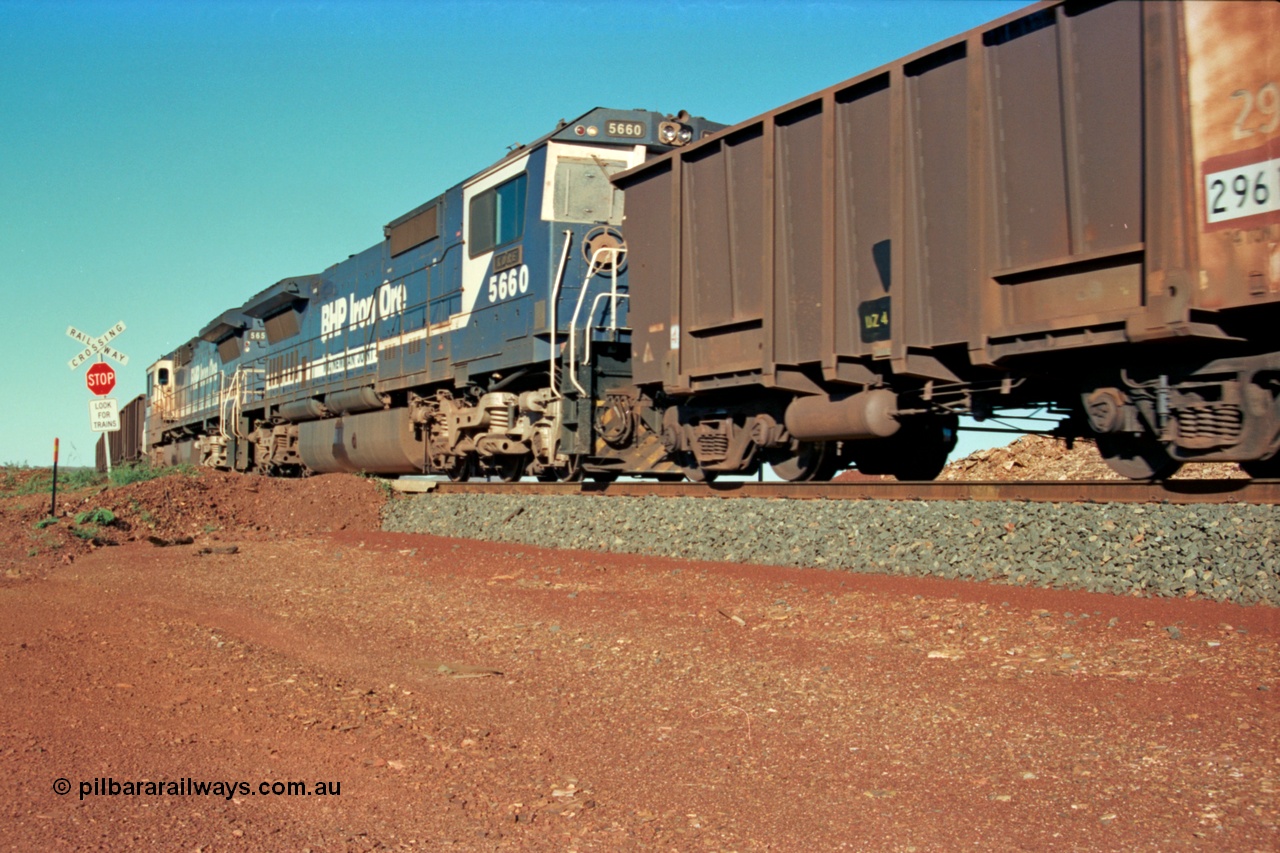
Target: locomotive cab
160, 410
160, 389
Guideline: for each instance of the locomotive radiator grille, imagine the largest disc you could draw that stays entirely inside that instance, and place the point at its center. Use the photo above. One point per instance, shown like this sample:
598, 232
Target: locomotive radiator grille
1209, 425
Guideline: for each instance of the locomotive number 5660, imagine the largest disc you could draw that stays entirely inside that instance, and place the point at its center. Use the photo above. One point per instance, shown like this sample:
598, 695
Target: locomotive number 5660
507, 284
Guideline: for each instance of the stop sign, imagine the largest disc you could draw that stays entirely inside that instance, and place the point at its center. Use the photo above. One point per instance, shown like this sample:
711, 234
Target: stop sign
100, 378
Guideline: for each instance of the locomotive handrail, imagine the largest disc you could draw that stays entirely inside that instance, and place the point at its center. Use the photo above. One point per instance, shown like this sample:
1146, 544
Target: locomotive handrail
555, 300
615, 252
233, 395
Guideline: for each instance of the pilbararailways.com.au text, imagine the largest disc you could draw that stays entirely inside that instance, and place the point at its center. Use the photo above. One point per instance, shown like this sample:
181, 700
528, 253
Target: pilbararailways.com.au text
188, 787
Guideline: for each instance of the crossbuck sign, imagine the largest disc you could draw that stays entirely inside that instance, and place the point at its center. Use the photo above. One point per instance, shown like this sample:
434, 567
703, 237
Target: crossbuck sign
94, 346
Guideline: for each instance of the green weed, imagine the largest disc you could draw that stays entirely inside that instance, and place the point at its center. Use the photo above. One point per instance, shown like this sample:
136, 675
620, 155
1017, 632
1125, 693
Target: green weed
18, 480
123, 475
383, 484
90, 522
99, 516
143, 514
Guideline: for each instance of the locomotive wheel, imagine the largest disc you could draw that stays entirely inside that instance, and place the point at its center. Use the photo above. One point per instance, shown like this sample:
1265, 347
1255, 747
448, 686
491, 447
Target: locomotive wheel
459, 471
1261, 469
602, 476
811, 460
572, 470
512, 468
1137, 458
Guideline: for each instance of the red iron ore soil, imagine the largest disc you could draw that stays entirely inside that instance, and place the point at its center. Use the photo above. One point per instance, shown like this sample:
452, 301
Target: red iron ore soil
244, 632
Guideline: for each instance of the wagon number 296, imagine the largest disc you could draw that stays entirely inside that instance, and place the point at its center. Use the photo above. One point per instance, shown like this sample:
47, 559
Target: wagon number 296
507, 284
1243, 191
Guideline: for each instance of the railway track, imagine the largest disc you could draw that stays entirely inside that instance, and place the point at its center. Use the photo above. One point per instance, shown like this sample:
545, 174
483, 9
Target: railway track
1264, 492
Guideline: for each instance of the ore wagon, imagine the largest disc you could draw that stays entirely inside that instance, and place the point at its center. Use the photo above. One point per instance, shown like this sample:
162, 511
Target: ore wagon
1075, 206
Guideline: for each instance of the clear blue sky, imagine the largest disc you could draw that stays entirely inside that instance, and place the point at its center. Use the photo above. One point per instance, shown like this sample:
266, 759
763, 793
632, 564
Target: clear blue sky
162, 161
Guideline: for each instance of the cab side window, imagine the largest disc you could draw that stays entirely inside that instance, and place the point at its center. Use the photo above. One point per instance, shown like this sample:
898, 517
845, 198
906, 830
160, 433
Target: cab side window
497, 216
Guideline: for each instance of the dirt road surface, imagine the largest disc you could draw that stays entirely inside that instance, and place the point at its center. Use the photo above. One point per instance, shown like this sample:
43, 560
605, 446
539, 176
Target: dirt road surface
451, 693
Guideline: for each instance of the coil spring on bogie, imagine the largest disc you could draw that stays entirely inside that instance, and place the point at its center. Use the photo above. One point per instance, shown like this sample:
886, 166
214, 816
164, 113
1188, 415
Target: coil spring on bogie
499, 419
713, 445
1217, 421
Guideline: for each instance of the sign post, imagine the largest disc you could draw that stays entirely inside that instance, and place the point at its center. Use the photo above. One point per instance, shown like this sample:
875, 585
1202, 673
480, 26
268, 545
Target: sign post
53, 495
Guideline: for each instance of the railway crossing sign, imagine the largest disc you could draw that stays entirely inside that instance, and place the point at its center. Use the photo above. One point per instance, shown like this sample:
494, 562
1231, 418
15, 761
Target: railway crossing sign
100, 378
95, 346
104, 411
104, 415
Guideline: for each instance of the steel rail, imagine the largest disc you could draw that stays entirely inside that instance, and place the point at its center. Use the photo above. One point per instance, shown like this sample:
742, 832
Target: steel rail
1037, 491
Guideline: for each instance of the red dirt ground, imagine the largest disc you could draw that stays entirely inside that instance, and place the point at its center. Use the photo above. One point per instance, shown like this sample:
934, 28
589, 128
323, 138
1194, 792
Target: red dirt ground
493, 697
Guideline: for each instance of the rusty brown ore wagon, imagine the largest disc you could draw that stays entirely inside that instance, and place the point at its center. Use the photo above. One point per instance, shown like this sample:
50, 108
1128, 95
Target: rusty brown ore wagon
126, 444
1077, 205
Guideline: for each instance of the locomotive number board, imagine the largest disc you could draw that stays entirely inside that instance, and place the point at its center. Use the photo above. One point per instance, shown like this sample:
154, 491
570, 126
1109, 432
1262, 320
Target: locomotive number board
626, 129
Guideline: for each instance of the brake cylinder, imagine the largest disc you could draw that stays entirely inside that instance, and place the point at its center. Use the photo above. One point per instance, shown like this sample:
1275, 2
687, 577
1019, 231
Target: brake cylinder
867, 414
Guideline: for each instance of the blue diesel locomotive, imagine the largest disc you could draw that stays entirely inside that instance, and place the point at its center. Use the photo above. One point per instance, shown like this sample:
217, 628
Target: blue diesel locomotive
486, 334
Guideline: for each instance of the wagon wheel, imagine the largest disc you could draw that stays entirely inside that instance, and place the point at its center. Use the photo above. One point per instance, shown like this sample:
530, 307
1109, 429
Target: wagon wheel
872, 457
1136, 457
694, 472
923, 446
1261, 469
512, 468
810, 460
